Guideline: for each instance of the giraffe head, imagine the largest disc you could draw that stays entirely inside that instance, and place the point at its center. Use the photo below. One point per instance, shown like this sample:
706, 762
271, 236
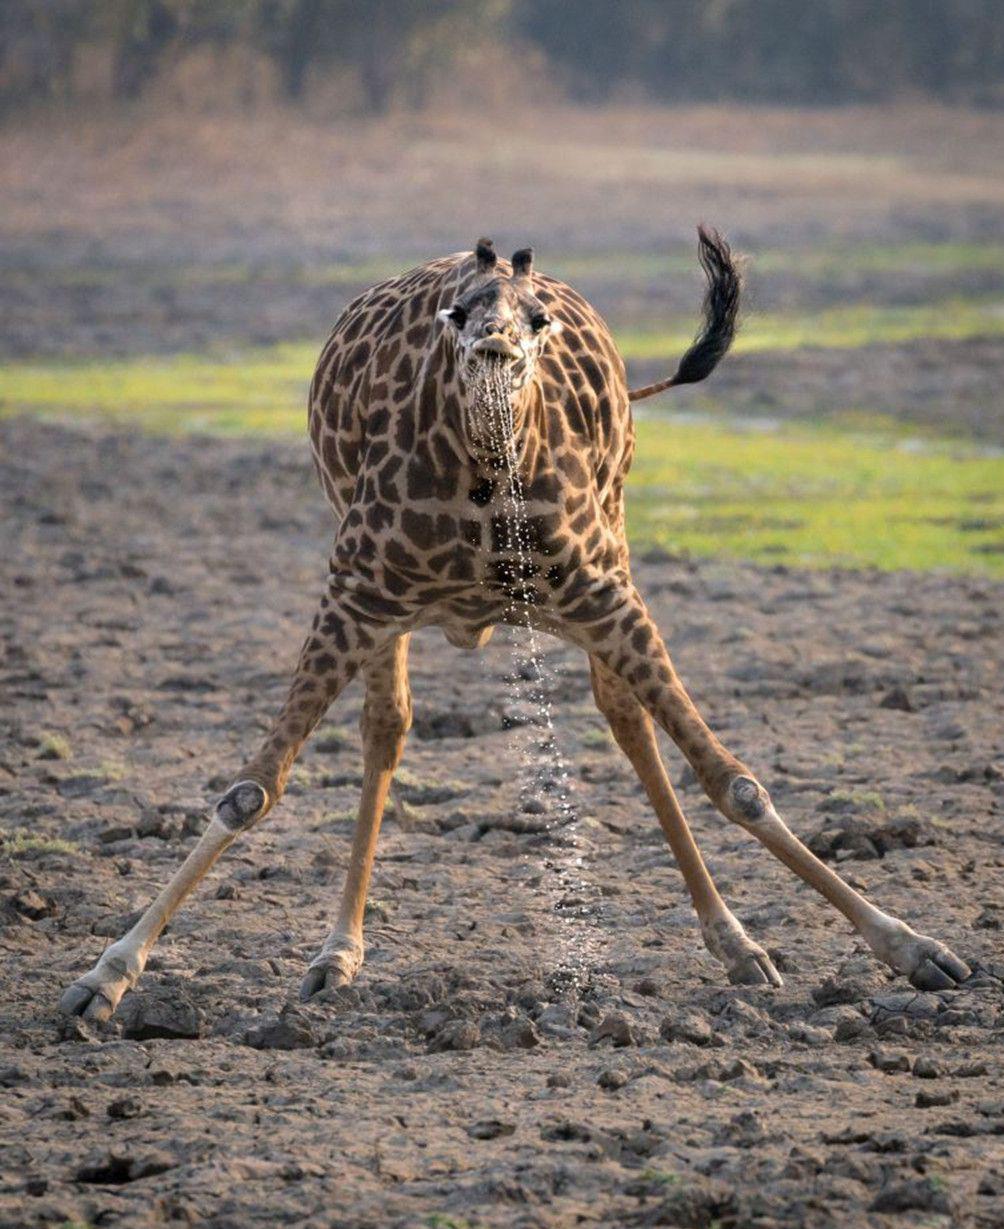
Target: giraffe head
497, 324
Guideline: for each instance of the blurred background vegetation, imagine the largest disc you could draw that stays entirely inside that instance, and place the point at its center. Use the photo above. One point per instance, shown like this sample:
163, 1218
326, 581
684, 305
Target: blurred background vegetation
400, 53
191, 190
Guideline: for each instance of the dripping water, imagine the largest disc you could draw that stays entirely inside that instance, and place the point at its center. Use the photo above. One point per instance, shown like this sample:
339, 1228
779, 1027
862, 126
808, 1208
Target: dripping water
545, 781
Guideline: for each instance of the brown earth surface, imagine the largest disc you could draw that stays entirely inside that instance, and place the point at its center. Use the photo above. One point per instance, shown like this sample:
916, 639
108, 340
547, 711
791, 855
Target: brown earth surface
154, 597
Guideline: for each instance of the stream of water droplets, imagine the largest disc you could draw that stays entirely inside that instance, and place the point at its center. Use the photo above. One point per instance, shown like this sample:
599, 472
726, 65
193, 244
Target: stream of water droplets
545, 784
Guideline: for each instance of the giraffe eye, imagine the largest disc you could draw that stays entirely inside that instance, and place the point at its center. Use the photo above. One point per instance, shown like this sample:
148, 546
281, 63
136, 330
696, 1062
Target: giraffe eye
539, 320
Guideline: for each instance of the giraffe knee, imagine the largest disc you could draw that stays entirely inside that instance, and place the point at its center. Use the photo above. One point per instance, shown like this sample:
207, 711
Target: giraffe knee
242, 805
746, 801
385, 724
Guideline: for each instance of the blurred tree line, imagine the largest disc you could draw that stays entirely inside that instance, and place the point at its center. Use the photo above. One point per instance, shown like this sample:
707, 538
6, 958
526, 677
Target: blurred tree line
786, 51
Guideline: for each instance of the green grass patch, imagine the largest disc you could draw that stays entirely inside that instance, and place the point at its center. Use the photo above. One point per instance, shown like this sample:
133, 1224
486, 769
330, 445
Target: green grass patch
21, 843
816, 496
835, 328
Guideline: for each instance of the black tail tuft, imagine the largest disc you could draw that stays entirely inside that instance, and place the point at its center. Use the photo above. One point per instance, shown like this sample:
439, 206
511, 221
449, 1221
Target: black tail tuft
721, 314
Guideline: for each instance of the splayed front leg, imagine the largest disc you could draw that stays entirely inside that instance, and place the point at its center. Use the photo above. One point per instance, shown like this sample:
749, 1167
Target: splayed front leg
386, 720
746, 962
338, 646
97, 994
624, 638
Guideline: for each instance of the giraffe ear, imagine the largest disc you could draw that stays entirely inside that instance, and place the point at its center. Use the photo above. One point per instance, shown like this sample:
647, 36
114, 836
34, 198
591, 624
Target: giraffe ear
522, 262
485, 252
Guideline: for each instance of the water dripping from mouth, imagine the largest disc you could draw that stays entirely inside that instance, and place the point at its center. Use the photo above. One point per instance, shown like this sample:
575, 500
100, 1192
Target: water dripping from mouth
545, 786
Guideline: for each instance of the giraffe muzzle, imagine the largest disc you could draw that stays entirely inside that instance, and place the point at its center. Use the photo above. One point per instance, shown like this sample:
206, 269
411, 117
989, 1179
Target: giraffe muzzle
499, 344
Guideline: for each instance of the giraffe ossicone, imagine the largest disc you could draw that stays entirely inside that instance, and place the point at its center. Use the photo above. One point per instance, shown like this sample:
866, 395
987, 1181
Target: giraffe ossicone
438, 394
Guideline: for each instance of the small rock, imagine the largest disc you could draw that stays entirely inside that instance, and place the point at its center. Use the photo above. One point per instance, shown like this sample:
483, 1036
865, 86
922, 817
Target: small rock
850, 1027
557, 1020
691, 1028
924, 1194
11, 1077
125, 1107
228, 891
882, 1060
73, 1028
928, 1097
519, 1035
114, 1167
490, 1128
612, 1078
289, 1032
116, 832
145, 1017
925, 1068
970, 1071
809, 1034
911, 1004
455, 1035
32, 905
615, 1027
558, 1079
899, 699
723, 1073
154, 824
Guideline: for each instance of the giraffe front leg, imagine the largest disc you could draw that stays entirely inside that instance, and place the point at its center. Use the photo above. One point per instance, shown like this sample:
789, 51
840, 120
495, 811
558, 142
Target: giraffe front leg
386, 719
620, 633
745, 961
339, 643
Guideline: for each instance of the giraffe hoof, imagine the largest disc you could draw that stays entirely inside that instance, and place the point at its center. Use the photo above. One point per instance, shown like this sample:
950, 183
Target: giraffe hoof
755, 968
746, 962
93, 1003
926, 963
96, 995
321, 977
336, 964
937, 968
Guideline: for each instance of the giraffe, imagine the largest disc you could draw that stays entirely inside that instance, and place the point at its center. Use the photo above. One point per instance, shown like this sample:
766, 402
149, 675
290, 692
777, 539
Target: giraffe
401, 439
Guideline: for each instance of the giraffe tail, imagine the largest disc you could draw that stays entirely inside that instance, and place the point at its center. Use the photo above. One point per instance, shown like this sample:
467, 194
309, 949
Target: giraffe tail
721, 311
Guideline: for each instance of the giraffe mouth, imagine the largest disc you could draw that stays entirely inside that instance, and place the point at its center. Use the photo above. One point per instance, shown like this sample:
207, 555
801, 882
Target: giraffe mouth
497, 346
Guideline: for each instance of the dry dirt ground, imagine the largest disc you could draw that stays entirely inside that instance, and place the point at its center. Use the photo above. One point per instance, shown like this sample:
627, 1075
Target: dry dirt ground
538, 1037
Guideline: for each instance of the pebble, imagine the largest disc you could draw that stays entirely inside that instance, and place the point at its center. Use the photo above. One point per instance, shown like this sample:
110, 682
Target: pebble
691, 1028
30, 904
920, 1194
455, 1035
615, 1027
288, 1032
490, 1128
521, 1034
125, 1107
882, 1060
928, 1097
612, 1078
925, 1068
145, 1017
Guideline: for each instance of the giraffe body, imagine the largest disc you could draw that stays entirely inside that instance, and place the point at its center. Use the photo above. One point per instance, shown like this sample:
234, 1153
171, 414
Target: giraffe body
419, 463
425, 533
